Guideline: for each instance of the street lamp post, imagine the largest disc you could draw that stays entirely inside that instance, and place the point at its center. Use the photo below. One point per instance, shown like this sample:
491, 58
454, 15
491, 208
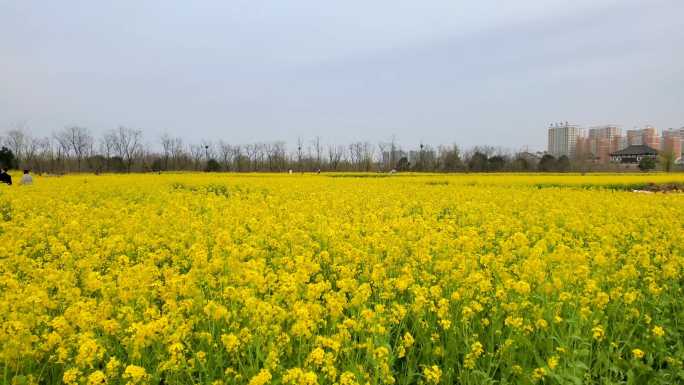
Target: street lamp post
421, 156
299, 157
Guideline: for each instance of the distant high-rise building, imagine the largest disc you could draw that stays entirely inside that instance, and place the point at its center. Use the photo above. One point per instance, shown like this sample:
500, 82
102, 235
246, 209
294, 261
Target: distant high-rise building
634, 137
600, 142
390, 158
563, 139
414, 156
650, 137
583, 148
623, 142
672, 142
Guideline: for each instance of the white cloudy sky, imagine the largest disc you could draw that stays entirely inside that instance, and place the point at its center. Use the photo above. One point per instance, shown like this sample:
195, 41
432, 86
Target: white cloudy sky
470, 72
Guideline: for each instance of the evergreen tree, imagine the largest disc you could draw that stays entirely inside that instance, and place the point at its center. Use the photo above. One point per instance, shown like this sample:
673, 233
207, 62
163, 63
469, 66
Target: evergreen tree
7, 158
547, 163
647, 164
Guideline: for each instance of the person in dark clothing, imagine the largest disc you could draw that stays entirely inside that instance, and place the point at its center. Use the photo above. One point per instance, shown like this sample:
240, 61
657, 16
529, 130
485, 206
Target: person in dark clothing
5, 177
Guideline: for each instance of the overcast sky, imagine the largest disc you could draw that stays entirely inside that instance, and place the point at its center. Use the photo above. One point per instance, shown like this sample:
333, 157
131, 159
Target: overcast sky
469, 72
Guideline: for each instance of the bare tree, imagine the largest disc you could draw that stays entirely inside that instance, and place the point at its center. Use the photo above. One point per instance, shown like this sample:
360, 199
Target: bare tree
335, 154
177, 152
385, 160
77, 141
275, 155
62, 150
44, 154
225, 151
147, 157
196, 153
318, 150
262, 154
252, 151
667, 160
450, 158
237, 157
128, 144
270, 156
167, 145
279, 155
487, 150
107, 145
31, 151
16, 140
361, 155
367, 156
354, 154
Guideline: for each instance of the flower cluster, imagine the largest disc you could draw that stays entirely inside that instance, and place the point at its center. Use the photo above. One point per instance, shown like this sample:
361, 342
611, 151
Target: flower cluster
295, 279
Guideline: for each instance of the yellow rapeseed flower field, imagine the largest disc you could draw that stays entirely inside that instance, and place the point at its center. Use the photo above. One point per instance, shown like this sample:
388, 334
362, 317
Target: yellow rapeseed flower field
341, 279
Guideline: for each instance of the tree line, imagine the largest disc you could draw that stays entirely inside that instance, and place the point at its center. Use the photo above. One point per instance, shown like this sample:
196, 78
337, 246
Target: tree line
77, 149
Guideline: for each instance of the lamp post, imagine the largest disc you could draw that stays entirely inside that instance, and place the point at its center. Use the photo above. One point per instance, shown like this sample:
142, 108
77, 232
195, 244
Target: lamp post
421, 156
299, 158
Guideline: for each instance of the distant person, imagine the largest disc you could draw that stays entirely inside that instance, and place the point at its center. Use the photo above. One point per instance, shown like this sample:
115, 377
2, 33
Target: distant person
5, 177
26, 179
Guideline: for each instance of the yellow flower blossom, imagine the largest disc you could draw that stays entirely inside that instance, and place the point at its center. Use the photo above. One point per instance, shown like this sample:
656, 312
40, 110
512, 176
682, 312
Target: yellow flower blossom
658, 331
97, 378
538, 374
262, 378
638, 353
433, 374
552, 362
598, 333
71, 376
135, 374
339, 279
